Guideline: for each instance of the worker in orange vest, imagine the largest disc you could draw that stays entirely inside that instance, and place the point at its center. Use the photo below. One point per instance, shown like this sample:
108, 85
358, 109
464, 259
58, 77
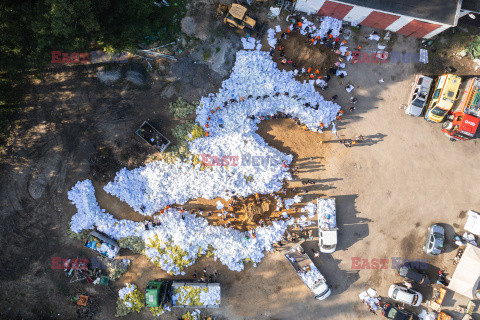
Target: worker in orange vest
309, 70
288, 30
317, 71
312, 76
299, 23
207, 134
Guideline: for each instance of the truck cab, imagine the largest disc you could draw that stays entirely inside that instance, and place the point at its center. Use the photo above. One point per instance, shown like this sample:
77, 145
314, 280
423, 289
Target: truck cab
157, 293
461, 126
328, 240
444, 95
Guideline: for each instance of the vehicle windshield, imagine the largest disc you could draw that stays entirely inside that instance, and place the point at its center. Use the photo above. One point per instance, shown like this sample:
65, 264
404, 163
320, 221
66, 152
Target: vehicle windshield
418, 102
392, 313
394, 294
415, 298
328, 246
323, 293
438, 236
438, 112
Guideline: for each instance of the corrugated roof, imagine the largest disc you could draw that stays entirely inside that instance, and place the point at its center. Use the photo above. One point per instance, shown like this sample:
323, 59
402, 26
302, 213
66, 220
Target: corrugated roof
442, 11
471, 5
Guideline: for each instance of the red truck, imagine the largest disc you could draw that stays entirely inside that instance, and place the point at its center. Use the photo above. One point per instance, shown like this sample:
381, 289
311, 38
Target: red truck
463, 121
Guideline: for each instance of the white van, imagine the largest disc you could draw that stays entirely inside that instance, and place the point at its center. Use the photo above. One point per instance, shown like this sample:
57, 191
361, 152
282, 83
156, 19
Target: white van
418, 96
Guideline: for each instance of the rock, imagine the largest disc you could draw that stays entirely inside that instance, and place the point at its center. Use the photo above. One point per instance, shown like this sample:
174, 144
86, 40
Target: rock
109, 77
135, 77
189, 26
169, 91
36, 186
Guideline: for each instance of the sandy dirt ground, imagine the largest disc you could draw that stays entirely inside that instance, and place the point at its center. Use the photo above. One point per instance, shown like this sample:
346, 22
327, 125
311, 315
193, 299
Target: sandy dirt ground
405, 176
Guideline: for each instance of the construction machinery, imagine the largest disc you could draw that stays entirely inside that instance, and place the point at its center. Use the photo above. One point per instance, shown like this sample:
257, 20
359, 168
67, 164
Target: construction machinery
236, 17
463, 121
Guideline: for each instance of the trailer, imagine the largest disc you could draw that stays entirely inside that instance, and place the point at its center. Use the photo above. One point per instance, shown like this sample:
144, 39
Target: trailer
152, 136
102, 244
308, 272
195, 295
327, 225
182, 294
463, 122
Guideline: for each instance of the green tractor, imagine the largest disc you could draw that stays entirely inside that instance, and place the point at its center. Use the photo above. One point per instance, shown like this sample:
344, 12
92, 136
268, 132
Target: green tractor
158, 293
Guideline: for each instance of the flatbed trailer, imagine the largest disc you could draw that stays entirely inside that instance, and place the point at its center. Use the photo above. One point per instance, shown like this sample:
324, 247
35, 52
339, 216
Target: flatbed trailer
308, 272
152, 136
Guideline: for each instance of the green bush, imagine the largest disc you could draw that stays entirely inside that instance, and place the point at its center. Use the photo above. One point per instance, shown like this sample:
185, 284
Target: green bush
135, 244
182, 109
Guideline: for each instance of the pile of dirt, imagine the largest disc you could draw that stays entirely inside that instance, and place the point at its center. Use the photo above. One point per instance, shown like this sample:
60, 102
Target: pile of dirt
305, 55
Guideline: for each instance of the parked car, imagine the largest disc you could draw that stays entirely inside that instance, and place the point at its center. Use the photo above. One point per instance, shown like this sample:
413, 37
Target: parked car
435, 239
405, 295
418, 96
391, 312
408, 272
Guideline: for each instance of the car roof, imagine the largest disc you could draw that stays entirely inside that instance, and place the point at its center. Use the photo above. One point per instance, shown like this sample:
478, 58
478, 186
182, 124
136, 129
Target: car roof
404, 296
400, 315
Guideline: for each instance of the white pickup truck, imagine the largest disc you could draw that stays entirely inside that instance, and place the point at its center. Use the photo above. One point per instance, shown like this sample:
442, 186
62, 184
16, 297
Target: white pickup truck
327, 225
308, 272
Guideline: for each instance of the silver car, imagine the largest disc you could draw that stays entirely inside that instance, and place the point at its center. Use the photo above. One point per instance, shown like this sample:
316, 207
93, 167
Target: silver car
405, 295
435, 240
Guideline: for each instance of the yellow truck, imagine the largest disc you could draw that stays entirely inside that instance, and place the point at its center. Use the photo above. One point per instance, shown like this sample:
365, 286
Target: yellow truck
445, 93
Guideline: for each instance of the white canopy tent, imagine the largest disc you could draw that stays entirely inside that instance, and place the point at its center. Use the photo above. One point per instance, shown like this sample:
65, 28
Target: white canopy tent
466, 277
473, 223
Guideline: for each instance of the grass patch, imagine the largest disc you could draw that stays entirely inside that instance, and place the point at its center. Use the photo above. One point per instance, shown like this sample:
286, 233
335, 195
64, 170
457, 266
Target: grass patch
207, 54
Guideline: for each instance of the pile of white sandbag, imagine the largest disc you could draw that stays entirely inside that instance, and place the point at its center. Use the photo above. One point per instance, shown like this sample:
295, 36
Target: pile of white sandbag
256, 88
327, 23
194, 296
272, 41
180, 238
327, 217
310, 277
